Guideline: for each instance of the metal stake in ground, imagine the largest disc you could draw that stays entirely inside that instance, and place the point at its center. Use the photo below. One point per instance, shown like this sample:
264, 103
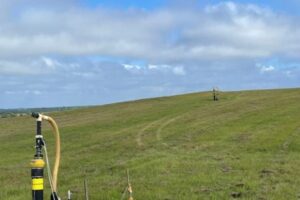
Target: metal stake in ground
38, 164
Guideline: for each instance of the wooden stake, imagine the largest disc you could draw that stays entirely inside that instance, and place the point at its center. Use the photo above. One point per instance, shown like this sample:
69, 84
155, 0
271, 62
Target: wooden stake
86, 192
129, 186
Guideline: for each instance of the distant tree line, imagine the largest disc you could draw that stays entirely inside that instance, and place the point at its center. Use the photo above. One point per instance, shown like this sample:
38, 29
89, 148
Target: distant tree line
5, 113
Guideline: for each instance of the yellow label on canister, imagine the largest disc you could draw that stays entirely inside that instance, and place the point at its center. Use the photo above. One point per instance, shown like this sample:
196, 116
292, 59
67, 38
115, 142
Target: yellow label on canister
37, 184
37, 163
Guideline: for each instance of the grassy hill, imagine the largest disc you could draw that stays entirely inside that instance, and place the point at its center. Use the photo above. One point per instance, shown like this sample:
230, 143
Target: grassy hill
245, 146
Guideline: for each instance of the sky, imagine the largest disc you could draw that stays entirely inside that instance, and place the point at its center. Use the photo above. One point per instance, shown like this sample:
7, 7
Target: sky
93, 52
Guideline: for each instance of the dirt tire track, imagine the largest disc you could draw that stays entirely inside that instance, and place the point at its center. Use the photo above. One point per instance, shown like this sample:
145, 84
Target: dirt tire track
290, 138
164, 125
142, 131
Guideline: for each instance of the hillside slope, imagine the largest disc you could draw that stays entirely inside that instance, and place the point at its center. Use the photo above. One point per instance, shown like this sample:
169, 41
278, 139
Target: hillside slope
183, 147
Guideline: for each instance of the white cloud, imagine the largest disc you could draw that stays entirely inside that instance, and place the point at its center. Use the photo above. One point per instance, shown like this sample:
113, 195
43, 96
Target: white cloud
153, 67
36, 92
28, 66
289, 73
25, 92
87, 75
179, 71
131, 67
229, 5
51, 63
224, 31
10, 67
265, 68
158, 67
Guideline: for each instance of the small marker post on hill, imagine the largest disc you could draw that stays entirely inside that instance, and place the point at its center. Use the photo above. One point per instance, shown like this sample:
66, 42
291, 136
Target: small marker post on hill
215, 94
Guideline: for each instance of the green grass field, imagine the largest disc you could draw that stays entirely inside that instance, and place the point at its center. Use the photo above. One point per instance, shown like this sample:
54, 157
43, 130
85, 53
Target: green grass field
245, 146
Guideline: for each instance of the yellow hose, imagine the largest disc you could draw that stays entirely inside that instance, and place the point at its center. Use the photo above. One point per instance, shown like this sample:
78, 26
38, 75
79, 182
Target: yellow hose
57, 149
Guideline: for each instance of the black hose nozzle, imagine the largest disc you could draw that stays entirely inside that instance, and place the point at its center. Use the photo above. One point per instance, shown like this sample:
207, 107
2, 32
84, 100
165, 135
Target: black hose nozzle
54, 196
35, 115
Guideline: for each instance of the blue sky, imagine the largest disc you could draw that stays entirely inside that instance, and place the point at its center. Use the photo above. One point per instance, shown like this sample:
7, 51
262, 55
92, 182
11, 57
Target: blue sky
289, 6
127, 3
75, 52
